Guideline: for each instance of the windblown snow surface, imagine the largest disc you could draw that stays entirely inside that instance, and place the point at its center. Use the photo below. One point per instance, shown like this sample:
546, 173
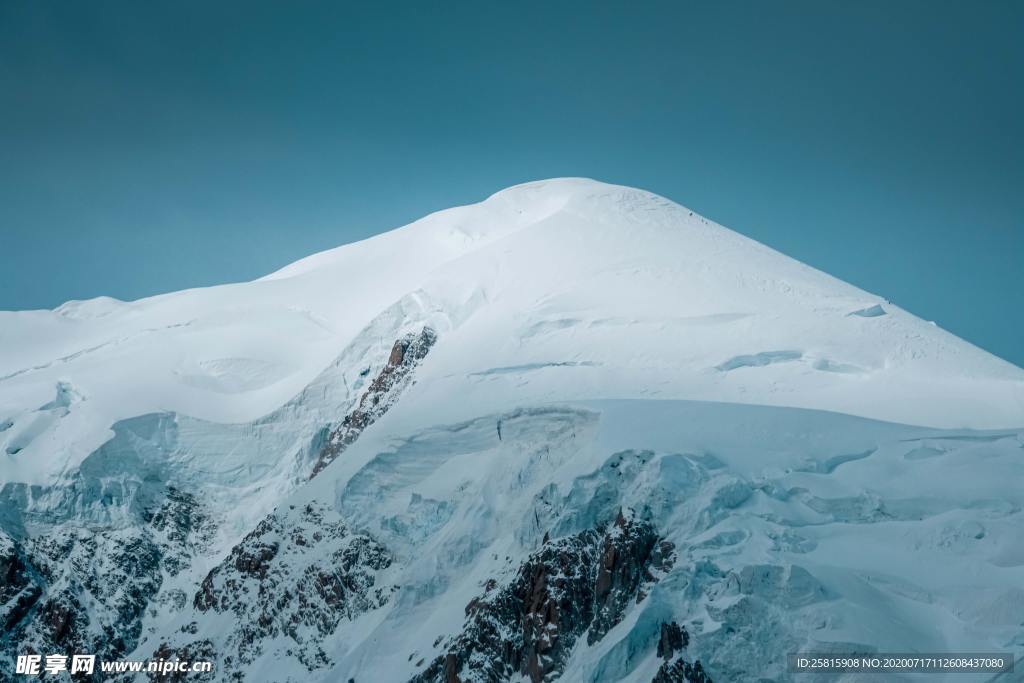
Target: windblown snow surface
834, 473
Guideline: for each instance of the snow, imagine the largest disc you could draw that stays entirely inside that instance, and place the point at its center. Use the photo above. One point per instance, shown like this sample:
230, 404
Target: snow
758, 409
823, 529
558, 285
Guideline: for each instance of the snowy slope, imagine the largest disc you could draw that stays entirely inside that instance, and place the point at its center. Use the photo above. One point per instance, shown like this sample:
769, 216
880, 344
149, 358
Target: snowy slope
831, 471
557, 289
797, 530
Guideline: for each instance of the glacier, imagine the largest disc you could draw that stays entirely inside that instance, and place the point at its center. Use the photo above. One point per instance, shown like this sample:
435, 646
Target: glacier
742, 457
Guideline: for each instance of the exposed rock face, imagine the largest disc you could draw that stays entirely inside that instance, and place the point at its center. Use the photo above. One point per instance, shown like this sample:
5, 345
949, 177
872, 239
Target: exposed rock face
181, 526
681, 671
571, 587
674, 638
76, 590
20, 587
382, 393
198, 651
296, 576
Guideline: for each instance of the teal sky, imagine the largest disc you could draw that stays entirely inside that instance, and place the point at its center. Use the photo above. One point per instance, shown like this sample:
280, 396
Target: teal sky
147, 147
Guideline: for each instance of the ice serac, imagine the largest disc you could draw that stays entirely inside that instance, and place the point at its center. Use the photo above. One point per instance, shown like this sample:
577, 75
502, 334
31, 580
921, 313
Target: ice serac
638, 446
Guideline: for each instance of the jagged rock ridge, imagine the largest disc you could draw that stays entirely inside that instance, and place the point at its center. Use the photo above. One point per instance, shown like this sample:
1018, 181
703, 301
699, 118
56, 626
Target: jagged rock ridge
675, 669
78, 590
572, 587
382, 393
681, 671
295, 577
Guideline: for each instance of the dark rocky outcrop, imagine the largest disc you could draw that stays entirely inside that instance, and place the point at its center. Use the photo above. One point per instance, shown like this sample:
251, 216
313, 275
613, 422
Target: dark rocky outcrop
196, 651
681, 671
20, 587
572, 587
76, 589
88, 593
382, 393
182, 526
296, 576
673, 639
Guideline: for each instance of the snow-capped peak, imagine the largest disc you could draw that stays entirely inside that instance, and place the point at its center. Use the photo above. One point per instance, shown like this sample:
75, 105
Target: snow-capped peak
561, 434
623, 292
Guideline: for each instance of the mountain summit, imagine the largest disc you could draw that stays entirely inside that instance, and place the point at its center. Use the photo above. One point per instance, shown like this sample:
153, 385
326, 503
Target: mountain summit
557, 289
573, 432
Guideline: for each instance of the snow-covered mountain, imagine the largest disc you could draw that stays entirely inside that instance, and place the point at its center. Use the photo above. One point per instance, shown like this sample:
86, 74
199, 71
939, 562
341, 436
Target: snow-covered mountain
573, 432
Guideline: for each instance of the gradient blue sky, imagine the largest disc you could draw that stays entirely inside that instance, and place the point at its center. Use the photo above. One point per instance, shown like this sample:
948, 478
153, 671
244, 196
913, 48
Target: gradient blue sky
147, 147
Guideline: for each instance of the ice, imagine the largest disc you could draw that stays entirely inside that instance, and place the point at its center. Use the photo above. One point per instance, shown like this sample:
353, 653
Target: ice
871, 312
634, 295
863, 548
760, 359
833, 473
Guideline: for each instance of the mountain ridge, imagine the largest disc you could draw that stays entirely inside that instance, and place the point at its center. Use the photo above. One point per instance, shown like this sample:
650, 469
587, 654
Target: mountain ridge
594, 257
572, 410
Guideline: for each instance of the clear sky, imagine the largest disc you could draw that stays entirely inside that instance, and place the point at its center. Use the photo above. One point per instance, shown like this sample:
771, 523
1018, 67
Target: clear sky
152, 146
